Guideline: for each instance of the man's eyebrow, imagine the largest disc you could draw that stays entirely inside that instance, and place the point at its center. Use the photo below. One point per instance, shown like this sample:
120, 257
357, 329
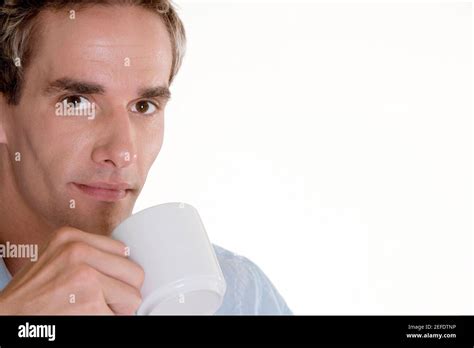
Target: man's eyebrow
74, 86
83, 87
155, 92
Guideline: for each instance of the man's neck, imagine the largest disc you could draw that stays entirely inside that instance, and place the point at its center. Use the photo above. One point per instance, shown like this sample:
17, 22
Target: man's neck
18, 224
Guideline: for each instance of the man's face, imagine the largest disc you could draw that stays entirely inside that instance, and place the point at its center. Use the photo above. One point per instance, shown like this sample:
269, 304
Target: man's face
112, 63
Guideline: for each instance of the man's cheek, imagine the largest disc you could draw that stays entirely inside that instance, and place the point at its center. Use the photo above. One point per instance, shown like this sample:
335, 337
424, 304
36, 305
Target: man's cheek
149, 149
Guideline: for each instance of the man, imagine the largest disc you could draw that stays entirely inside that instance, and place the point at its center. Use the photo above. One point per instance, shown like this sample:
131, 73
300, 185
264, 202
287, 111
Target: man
83, 92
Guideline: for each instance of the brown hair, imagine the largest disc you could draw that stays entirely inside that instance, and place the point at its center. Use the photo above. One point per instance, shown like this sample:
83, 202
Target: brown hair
18, 26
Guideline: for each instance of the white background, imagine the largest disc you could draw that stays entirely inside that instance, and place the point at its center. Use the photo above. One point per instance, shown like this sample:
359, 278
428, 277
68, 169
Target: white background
330, 143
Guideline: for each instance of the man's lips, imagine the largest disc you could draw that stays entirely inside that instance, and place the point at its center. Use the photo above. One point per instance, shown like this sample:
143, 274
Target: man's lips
102, 191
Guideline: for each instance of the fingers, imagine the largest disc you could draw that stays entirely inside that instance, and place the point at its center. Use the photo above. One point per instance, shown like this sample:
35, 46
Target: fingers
69, 247
96, 264
111, 265
93, 268
120, 297
69, 234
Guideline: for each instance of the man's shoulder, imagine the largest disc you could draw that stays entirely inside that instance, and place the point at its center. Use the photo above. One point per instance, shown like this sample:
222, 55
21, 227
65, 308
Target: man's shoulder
227, 257
249, 290
238, 270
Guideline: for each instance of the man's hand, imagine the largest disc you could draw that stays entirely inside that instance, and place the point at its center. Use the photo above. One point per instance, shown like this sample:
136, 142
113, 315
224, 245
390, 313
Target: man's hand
77, 273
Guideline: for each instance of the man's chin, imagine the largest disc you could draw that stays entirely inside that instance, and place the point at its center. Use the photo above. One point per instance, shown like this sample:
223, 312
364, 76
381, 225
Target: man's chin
102, 227
101, 222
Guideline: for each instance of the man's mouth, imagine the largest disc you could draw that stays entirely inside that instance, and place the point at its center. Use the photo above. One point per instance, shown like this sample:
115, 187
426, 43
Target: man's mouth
102, 191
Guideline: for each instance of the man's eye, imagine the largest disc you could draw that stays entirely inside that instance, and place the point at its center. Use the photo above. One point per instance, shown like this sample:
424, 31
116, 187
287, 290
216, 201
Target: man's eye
144, 107
76, 102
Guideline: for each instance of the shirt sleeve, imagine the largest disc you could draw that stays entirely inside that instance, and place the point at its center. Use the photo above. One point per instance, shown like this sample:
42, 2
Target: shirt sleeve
250, 291
267, 298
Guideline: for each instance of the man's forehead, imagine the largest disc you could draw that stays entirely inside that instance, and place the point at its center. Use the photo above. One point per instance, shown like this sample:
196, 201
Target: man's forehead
97, 35
101, 53
136, 53
113, 74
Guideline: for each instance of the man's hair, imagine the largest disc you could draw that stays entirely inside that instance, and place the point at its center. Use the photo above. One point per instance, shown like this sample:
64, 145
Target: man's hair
19, 31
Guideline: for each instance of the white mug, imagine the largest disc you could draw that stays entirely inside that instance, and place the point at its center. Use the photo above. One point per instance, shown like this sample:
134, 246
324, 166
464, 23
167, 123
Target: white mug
182, 273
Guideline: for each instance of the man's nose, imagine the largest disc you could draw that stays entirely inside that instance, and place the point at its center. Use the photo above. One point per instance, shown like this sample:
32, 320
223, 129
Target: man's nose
116, 146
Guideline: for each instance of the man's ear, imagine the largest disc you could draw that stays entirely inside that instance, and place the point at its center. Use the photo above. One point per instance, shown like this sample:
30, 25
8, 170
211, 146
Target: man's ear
3, 114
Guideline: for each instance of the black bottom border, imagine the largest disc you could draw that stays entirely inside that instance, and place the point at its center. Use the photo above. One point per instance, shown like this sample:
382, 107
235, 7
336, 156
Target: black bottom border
191, 330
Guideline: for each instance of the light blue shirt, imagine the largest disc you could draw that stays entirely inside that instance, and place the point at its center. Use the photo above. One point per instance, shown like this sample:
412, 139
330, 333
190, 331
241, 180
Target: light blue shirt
249, 291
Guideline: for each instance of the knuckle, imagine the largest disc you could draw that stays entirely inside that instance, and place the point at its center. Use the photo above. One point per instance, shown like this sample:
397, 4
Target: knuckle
85, 275
62, 235
76, 252
95, 307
